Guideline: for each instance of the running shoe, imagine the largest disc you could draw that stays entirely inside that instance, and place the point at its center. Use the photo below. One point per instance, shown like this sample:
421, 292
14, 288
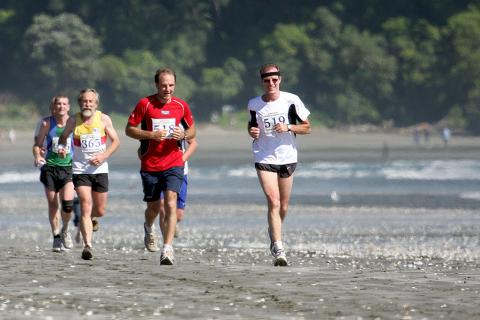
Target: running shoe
87, 253
280, 258
166, 258
57, 243
150, 240
67, 240
95, 224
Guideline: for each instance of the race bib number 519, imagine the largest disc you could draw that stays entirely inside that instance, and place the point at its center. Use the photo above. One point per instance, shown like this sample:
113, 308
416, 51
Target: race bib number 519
270, 120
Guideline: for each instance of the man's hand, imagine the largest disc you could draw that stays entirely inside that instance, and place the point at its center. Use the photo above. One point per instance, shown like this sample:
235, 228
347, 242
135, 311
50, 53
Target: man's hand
97, 159
62, 152
158, 135
254, 132
178, 133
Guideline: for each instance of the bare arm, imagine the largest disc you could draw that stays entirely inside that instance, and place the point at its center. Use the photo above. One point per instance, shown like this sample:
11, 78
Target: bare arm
191, 148
139, 134
114, 141
302, 128
190, 133
252, 129
178, 133
67, 131
38, 155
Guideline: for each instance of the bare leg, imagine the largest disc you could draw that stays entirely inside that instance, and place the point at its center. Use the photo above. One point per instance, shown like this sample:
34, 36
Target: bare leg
161, 212
170, 206
86, 204
52, 200
180, 213
277, 190
66, 193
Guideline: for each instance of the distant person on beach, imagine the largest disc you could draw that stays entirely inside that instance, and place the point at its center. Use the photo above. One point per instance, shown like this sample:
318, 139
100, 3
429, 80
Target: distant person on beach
276, 118
161, 116
56, 170
12, 136
446, 135
91, 130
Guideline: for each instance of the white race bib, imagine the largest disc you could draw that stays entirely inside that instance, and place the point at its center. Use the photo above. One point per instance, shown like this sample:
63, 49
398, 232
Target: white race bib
164, 124
270, 120
91, 142
67, 147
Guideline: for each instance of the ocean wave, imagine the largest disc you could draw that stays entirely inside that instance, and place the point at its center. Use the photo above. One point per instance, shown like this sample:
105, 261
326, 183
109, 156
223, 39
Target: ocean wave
421, 170
19, 177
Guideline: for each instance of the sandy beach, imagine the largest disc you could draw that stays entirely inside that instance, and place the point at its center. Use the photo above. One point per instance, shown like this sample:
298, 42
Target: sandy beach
217, 278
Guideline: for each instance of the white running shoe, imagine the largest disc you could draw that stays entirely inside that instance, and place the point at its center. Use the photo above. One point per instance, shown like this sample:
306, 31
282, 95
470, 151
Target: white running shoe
167, 258
57, 243
280, 258
67, 240
150, 240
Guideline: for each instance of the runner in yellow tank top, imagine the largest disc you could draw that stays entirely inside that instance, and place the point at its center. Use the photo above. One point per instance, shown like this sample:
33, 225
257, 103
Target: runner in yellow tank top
90, 169
89, 139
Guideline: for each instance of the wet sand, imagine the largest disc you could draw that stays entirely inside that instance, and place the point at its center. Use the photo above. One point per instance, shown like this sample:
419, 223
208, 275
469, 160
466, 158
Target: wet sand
216, 277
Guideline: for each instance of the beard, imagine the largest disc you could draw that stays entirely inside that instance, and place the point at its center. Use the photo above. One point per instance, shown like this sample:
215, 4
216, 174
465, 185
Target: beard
87, 113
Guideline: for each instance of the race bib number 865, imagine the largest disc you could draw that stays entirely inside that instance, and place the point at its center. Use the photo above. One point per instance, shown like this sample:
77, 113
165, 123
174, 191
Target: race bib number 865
91, 142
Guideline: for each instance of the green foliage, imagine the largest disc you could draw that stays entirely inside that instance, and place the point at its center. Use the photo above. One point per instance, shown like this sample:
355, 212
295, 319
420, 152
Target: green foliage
234, 120
456, 119
352, 107
5, 15
349, 61
415, 46
218, 85
14, 114
129, 78
462, 32
65, 51
283, 47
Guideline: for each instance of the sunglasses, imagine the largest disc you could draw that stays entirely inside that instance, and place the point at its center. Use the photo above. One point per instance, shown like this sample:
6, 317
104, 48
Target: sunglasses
274, 80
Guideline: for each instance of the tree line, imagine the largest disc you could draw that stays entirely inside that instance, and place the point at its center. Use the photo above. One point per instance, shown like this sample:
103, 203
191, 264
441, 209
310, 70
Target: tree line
351, 61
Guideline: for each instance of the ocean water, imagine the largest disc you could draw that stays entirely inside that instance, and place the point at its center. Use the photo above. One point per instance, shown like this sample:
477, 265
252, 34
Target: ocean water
396, 209
403, 183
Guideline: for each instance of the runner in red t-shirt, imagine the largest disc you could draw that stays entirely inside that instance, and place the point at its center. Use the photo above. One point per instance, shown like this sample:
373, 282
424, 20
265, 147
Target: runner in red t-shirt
160, 117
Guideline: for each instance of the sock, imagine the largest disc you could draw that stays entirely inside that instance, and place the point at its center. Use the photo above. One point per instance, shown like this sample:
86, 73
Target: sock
278, 245
149, 229
167, 247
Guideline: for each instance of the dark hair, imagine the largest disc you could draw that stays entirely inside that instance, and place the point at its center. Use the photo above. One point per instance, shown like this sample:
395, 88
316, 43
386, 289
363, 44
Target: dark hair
167, 71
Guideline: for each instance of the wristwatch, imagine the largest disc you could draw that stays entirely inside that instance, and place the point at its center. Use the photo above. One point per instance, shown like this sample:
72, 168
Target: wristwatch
289, 127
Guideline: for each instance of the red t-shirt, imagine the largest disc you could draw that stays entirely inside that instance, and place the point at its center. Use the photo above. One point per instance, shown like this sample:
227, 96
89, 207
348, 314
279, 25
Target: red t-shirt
154, 115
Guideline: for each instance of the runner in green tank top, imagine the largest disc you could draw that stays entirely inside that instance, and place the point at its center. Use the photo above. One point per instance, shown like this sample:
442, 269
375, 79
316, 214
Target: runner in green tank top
56, 172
